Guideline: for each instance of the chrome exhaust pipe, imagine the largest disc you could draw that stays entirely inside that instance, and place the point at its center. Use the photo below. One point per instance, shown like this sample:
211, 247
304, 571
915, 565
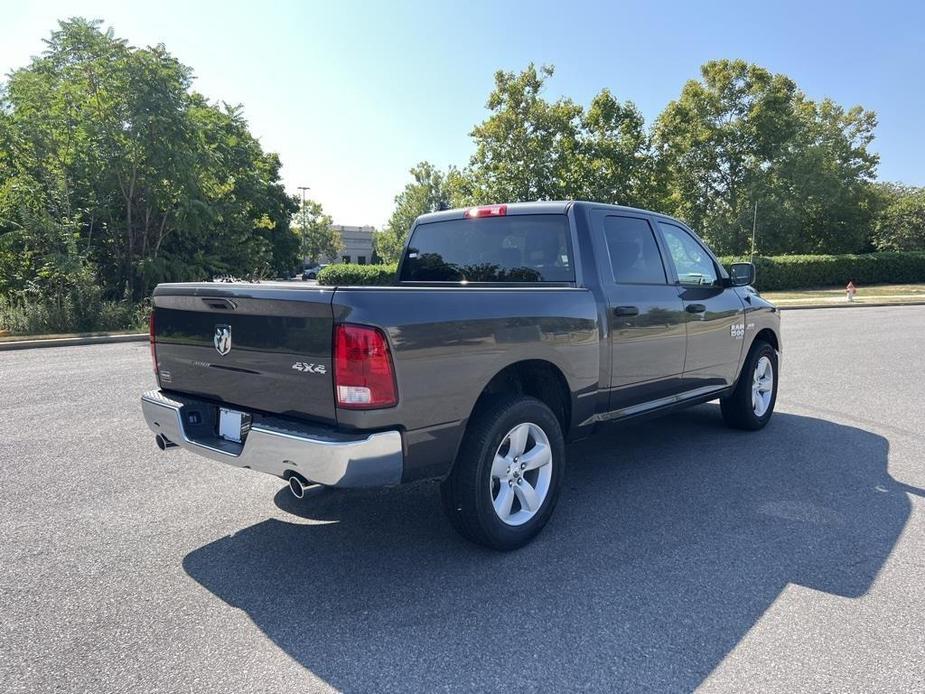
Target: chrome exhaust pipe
298, 485
163, 442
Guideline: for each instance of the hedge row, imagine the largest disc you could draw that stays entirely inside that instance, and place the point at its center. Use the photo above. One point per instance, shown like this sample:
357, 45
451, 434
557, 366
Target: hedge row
355, 275
773, 273
805, 271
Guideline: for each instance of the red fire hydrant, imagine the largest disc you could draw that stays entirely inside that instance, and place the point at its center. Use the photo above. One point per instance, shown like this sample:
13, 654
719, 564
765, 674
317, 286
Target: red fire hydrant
850, 291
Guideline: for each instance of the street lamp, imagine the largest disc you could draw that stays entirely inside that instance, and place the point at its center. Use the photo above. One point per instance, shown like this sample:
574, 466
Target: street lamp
303, 189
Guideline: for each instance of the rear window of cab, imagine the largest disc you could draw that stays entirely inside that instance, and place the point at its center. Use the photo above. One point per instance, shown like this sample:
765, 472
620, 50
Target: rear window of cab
517, 248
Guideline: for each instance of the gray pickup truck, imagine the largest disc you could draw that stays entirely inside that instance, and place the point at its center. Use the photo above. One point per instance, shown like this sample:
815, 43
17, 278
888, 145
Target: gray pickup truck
510, 330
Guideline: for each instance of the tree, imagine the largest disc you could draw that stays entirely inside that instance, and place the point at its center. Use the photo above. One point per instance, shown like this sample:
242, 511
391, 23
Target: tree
614, 164
900, 224
316, 233
158, 183
816, 196
527, 148
532, 149
715, 140
742, 135
428, 191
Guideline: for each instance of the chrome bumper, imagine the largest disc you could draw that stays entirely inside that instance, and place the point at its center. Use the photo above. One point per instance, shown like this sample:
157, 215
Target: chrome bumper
278, 447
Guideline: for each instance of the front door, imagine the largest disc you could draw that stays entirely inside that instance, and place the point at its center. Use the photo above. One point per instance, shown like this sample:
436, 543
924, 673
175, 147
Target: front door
714, 313
645, 314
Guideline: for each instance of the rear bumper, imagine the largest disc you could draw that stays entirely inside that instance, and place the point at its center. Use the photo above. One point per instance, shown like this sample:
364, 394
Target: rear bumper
279, 447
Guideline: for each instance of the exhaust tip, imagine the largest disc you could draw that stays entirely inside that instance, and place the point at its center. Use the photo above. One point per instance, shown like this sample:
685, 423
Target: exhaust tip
163, 442
297, 486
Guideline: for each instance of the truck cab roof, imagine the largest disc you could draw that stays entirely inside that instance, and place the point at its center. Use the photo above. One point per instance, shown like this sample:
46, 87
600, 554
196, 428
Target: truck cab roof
537, 207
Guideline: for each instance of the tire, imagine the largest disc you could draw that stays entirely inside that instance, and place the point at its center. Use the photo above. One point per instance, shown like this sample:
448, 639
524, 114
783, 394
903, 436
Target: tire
740, 409
473, 489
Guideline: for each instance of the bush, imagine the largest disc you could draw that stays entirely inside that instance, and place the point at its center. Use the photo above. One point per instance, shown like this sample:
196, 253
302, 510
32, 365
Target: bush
78, 308
774, 273
31, 315
779, 272
357, 275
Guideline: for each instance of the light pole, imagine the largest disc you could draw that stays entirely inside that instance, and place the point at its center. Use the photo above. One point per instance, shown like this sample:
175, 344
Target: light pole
303, 189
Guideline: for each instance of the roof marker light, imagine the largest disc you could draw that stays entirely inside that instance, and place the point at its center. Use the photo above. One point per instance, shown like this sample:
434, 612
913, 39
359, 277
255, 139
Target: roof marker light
486, 211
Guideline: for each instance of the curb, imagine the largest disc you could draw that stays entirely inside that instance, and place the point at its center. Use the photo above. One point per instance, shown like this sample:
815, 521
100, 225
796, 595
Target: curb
71, 341
810, 307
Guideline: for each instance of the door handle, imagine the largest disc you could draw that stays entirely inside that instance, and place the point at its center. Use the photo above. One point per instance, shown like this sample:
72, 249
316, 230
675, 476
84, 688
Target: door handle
695, 308
626, 311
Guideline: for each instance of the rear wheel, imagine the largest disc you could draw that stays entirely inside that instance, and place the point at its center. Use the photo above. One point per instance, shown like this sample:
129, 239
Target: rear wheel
506, 479
751, 404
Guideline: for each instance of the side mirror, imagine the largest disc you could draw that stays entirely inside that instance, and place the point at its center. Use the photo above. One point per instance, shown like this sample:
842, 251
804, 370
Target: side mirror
741, 274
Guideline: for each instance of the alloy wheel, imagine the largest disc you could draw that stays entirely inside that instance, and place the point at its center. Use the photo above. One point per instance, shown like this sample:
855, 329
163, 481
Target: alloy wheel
521, 473
762, 386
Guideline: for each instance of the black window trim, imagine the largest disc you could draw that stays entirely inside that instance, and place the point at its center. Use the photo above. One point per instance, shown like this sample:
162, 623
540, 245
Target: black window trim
658, 246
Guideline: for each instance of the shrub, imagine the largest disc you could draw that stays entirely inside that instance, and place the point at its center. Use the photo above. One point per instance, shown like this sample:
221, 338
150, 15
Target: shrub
357, 275
779, 272
774, 273
78, 308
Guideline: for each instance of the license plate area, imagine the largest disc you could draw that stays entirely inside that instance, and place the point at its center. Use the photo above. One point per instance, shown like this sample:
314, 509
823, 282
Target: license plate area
233, 425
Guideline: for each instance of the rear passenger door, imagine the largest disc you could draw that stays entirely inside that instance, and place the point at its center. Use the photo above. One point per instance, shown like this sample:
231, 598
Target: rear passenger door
645, 313
714, 313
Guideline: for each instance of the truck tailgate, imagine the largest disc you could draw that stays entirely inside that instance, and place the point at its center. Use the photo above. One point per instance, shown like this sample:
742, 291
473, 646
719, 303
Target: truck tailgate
255, 346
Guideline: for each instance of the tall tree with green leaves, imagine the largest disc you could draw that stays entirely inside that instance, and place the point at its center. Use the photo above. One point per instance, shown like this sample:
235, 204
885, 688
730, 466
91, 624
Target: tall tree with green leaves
532, 149
741, 135
526, 148
428, 191
816, 197
715, 141
315, 230
158, 183
900, 224
613, 163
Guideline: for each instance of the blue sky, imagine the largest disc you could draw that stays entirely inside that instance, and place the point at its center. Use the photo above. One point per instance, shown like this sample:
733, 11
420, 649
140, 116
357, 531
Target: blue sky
352, 94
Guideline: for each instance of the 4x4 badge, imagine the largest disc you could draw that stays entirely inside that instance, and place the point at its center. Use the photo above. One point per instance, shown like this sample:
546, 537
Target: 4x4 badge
310, 368
222, 339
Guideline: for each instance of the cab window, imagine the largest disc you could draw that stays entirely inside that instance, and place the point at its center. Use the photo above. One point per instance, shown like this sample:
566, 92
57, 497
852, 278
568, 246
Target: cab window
634, 254
693, 264
511, 248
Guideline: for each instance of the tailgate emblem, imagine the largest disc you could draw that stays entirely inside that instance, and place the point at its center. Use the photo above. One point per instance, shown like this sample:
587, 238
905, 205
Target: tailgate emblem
222, 339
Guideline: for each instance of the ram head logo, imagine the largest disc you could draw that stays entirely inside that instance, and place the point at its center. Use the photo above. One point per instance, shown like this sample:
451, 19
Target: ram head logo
222, 339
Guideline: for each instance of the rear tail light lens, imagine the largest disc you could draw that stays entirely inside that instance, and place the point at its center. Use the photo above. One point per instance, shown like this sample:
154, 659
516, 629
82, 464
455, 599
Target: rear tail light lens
486, 211
152, 342
364, 378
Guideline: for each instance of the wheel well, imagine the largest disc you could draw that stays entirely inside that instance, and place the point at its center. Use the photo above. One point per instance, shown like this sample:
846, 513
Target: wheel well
768, 336
536, 378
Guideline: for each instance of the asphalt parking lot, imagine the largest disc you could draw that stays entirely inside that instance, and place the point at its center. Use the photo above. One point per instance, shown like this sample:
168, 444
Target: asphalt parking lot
682, 554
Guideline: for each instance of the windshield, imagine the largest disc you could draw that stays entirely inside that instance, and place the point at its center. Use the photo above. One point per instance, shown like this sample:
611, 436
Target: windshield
516, 248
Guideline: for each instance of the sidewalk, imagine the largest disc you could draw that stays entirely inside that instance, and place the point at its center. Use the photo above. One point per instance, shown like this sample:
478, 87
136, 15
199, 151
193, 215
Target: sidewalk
872, 295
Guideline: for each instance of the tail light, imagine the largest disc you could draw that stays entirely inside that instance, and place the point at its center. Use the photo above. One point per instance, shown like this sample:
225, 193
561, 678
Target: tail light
363, 375
151, 341
486, 211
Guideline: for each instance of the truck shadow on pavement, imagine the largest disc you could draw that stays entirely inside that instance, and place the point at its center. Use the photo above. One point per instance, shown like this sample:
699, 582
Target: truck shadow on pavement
671, 539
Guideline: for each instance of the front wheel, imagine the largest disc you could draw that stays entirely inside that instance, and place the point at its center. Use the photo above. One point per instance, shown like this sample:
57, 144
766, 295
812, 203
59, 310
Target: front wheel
506, 479
751, 404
